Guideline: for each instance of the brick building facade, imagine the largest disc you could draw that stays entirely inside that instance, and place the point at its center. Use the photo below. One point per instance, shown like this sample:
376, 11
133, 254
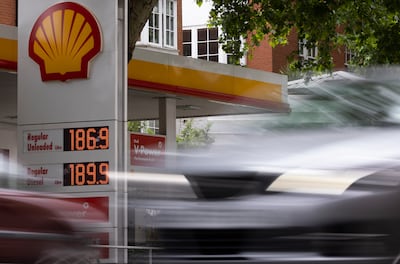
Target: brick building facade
263, 57
8, 12
275, 59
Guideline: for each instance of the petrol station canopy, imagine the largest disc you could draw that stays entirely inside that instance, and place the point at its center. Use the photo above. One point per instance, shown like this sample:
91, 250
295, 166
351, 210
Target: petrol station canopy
201, 88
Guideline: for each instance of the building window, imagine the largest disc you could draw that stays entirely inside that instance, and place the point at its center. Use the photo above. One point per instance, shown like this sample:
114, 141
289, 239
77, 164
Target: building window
348, 56
230, 59
170, 23
162, 25
154, 25
307, 52
187, 43
207, 44
150, 127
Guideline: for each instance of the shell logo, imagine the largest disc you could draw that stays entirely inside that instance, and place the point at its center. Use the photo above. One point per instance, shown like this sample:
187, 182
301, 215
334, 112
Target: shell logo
64, 39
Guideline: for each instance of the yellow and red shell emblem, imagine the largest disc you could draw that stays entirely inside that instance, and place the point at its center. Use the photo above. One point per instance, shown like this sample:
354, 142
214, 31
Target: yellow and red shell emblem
64, 39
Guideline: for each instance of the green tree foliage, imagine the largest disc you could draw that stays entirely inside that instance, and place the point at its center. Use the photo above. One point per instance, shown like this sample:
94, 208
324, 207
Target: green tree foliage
138, 126
369, 28
193, 137
135, 126
190, 136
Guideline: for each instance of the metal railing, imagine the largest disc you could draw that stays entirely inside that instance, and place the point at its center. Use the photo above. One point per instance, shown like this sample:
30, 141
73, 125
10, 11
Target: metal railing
132, 249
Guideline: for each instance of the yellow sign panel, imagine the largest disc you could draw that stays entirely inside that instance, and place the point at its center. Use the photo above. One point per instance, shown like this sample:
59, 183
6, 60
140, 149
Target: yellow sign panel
63, 41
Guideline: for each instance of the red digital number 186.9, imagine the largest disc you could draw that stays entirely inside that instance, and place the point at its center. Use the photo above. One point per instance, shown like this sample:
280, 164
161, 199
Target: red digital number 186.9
89, 138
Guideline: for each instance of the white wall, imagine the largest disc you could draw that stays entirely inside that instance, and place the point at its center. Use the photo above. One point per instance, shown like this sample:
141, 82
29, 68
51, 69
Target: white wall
193, 15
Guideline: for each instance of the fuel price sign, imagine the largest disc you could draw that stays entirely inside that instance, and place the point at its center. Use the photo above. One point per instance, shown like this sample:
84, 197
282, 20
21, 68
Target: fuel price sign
76, 156
86, 138
86, 173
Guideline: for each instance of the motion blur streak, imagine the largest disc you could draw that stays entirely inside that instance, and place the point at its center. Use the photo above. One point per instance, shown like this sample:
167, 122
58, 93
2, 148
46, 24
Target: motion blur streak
41, 227
316, 181
178, 179
320, 184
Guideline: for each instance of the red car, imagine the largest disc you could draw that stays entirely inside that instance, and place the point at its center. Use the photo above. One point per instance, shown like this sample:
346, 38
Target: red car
33, 230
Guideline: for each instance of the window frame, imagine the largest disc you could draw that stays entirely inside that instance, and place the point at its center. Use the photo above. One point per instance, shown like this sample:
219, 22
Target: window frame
187, 43
208, 41
166, 16
348, 56
162, 15
150, 28
307, 53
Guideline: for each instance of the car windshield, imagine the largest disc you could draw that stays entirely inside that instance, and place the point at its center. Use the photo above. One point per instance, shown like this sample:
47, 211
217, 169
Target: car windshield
340, 104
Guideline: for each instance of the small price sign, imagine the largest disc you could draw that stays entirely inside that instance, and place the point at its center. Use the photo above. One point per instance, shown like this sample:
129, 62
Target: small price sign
86, 138
86, 173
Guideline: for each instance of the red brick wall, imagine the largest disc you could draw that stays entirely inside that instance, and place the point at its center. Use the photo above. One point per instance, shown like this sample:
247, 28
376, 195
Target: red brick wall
282, 52
271, 59
338, 56
8, 12
260, 57
179, 26
276, 59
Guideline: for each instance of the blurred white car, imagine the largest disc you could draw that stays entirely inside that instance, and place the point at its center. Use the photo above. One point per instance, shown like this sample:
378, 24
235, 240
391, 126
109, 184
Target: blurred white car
322, 184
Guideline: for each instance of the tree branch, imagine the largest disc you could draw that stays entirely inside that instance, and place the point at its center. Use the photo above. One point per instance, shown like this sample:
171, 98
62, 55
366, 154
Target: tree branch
139, 12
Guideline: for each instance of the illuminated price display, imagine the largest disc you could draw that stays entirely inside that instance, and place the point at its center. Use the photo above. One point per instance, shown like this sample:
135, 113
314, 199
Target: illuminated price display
86, 173
86, 138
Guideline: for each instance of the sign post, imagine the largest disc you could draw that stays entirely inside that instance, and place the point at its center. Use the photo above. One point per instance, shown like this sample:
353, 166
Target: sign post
72, 101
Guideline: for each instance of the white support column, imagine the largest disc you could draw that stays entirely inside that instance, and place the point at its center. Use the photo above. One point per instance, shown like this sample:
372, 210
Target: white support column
122, 130
167, 123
